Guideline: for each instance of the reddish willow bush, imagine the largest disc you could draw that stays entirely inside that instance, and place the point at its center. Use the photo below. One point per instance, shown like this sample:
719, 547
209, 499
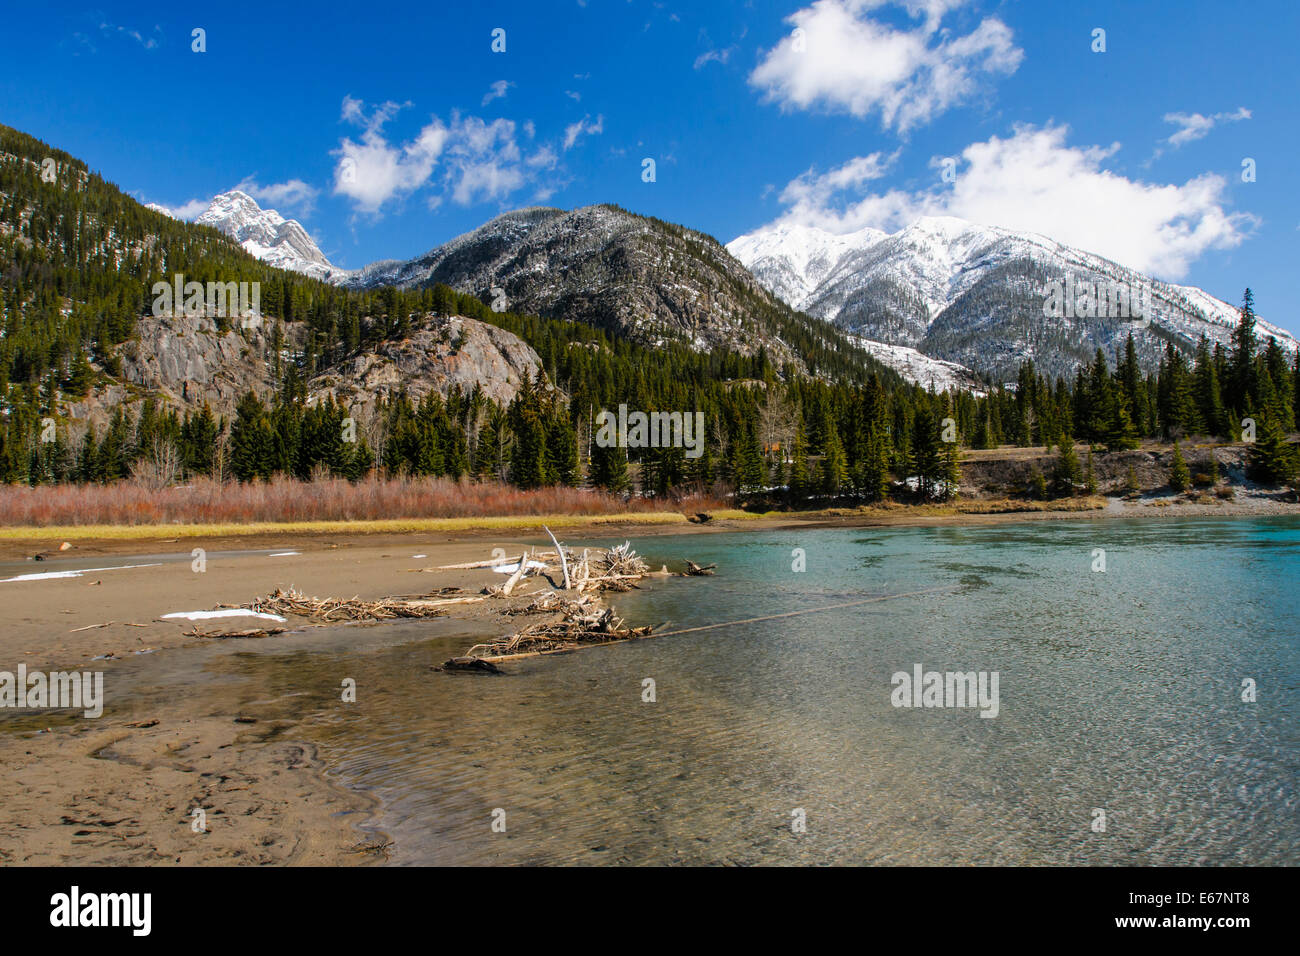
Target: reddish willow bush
204, 501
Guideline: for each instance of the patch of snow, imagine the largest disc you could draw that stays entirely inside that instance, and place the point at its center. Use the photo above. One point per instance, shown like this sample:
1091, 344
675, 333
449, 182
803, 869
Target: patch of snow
224, 612
512, 568
920, 369
51, 575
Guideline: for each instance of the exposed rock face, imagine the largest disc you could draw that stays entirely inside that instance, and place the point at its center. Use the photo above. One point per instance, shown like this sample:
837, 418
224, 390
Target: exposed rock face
445, 352
190, 362
185, 362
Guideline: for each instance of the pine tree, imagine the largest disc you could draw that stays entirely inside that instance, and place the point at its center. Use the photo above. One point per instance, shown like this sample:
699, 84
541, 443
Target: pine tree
1272, 461
799, 483
1131, 482
1179, 477
1067, 470
748, 470
251, 451
928, 460
609, 468
834, 467
873, 472
1209, 398
1242, 366
1037, 484
1130, 379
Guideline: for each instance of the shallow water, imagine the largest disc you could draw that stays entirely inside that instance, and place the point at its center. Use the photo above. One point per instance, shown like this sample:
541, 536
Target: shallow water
1119, 691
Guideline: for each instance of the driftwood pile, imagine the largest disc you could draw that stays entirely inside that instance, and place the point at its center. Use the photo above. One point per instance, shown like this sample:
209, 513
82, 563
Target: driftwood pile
575, 613
612, 569
292, 601
578, 622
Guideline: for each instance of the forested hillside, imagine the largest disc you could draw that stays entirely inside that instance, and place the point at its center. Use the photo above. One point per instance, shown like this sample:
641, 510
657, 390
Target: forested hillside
79, 258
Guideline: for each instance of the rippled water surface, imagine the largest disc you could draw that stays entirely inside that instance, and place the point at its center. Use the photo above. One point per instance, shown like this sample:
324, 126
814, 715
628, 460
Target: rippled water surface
1119, 691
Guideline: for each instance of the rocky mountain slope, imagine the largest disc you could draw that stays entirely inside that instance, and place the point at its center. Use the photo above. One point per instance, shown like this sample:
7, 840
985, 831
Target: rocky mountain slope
443, 353
277, 241
631, 275
974, 295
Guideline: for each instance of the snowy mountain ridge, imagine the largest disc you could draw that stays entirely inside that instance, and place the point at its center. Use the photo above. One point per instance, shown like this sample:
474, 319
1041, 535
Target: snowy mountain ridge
266, 234
974, 294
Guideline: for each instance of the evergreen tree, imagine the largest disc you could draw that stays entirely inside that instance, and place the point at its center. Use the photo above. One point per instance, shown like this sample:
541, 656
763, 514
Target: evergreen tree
1272, 461
799, 483
251, 451
1066, 473
1179, 477
928, 462
609, 468
748, 471
1209, 399
834, 467
1241, 391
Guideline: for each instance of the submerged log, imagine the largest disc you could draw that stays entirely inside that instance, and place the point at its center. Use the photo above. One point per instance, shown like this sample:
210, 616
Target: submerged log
249, 632
475, 665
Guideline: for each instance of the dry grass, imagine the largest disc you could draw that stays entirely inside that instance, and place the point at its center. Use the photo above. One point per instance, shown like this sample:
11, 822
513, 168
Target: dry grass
132, 510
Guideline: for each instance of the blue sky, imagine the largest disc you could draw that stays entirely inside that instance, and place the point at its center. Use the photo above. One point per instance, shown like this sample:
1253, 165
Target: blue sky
387, 129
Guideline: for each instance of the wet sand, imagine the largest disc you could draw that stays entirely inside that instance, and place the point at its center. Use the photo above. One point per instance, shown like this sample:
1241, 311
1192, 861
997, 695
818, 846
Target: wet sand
100, 791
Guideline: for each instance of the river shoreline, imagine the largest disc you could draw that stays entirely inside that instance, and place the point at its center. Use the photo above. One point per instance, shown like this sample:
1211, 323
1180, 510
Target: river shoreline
122, 789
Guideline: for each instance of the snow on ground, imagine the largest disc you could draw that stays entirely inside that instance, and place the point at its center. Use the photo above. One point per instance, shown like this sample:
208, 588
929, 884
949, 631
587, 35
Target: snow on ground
512, 568
921, 369
51, 575
224, 612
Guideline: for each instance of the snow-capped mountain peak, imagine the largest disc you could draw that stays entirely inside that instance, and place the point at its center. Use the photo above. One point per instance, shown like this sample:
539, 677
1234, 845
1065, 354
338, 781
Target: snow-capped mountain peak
798, 258
266, 234
975, 295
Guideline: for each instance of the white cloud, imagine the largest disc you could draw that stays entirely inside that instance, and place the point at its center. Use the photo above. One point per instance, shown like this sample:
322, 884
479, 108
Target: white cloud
810, 194
483, 159
1194, 126
148, 42
714, 56
1033, 181
544, 158
466, 159
838, 58
582, 128
186, 210
374, 171
294, 195
496, 91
